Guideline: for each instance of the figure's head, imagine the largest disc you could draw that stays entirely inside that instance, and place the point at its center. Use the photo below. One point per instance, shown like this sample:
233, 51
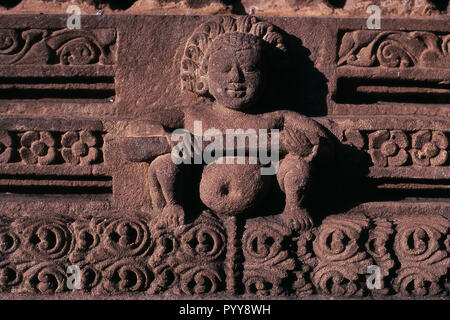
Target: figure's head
236, 70
228, 61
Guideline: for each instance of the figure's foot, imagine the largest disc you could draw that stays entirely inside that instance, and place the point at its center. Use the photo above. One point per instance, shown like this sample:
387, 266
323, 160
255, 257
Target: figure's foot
173, 216
297, 219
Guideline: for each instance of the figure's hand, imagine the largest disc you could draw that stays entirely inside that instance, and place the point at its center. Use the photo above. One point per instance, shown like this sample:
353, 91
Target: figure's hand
173, 216
182, 135
296, 142
139, 149
298, 220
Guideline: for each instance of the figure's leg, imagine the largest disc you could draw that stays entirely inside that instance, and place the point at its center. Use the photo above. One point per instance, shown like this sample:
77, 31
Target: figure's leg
165, 183
293, 178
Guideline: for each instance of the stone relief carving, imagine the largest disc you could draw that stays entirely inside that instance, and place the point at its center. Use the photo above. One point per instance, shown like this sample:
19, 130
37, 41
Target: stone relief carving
394, 148
66, 47
119, 255
81, 63
394, 49
429, 148
229, 239
229, 61
82, 147
419, 246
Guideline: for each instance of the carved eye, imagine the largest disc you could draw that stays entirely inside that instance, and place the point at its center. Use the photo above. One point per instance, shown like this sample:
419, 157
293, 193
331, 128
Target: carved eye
225, 68
249, 68
222, 66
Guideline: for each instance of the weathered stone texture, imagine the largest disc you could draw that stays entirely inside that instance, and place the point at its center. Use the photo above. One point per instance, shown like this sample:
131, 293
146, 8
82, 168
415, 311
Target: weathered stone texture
358, 118
257, 7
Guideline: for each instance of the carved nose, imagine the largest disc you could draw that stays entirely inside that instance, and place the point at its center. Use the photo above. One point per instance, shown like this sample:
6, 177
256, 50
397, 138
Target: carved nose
235, 74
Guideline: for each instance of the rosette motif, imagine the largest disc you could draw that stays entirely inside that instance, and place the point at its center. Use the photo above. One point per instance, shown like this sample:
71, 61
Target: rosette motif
429, 148
387, 148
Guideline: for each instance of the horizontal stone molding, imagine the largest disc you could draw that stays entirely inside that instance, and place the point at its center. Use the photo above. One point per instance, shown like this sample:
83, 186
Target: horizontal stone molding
130, 253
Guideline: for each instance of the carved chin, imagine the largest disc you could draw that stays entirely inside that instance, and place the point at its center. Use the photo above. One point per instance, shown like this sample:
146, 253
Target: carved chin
236, 105
238, 102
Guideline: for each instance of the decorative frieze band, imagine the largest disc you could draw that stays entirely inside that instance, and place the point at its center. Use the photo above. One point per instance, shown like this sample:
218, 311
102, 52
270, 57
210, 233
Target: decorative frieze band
66, 47
75, 147
261, 256
394, 148
395, 49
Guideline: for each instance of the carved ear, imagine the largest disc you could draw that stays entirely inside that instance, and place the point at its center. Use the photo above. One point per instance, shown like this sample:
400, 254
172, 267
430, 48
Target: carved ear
201, 85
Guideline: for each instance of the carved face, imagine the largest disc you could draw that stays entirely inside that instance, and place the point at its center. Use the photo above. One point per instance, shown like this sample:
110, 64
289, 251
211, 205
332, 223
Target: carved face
235, 75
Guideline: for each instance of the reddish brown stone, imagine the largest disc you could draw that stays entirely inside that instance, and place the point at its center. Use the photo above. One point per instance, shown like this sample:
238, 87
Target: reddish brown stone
88, 176
253, 7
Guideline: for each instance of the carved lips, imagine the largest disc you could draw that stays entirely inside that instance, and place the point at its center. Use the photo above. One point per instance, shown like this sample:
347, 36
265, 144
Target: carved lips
235, 90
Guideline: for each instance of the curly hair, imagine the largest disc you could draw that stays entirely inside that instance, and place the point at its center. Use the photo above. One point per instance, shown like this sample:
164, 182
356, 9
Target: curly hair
198, 48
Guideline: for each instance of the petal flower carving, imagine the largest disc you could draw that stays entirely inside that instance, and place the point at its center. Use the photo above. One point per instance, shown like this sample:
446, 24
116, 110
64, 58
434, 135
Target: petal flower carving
79, 147
387, 148
5, 147
429, 148
37, 147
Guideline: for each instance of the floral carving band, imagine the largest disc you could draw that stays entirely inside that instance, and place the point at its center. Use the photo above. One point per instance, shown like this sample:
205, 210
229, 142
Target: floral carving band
395, 148
46, 147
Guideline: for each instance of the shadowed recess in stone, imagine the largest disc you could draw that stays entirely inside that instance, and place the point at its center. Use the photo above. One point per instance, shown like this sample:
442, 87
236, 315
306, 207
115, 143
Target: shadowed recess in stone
83, 89
51, 184
9, 3
363, 90
441, 5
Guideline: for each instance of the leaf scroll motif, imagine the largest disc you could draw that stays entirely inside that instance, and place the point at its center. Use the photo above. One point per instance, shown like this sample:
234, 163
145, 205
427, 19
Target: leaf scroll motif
67, 47
394, 49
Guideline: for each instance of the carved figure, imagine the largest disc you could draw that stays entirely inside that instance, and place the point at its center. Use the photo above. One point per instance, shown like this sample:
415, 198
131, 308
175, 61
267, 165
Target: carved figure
230, 62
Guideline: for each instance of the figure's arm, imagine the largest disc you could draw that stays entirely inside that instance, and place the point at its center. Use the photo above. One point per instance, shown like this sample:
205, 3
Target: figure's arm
147, 139
300, 135
170, 119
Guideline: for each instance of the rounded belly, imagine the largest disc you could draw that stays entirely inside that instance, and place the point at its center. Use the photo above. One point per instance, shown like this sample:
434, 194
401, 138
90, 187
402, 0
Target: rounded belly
231, 188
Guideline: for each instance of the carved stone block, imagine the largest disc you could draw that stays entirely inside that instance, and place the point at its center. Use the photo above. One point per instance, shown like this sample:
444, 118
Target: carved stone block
224, 156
